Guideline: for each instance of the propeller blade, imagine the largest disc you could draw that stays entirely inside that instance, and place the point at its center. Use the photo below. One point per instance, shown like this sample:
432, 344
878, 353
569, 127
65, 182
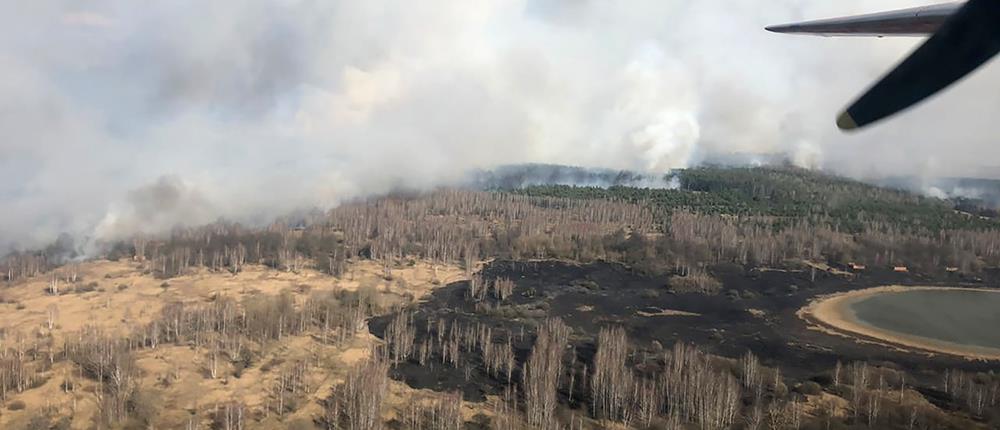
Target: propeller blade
966, 41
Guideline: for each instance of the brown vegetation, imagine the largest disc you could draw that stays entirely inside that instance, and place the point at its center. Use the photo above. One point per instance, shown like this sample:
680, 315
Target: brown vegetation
253, 350
253, 326
543, 373
358, 403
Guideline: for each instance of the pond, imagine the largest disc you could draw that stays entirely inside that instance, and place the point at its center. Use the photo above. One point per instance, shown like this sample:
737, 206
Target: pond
954, 319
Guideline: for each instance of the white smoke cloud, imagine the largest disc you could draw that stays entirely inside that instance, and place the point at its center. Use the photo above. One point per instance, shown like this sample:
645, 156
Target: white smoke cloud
156, 207
253, 108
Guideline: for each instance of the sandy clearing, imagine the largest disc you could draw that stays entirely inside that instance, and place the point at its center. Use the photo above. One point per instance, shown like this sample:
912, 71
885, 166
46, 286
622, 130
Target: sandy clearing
832, 314
827, 268
668, 313
125, 295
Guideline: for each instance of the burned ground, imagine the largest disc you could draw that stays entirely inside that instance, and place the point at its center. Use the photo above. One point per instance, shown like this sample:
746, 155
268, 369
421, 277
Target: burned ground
756, 311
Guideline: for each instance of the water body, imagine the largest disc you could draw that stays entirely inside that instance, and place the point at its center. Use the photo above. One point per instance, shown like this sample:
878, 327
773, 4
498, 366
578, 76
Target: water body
955, 317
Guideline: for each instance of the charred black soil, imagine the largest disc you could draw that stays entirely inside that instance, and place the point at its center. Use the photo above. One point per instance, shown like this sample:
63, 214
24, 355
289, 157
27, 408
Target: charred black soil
756, 311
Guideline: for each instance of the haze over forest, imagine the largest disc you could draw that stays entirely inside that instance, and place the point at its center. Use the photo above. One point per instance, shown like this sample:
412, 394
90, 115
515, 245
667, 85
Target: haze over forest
120, 117
489, 214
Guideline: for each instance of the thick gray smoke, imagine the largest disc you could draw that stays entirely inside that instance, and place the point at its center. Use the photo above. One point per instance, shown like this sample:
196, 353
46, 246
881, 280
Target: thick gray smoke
119, 116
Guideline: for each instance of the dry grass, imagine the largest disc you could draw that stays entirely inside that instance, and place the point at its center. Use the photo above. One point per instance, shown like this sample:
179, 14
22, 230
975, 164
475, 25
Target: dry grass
126, 296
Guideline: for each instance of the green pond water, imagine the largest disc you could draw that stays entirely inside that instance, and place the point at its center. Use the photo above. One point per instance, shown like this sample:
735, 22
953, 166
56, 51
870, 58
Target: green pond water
959, 317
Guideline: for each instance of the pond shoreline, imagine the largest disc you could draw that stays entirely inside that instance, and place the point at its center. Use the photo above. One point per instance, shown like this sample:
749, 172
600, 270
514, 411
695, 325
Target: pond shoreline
832, 314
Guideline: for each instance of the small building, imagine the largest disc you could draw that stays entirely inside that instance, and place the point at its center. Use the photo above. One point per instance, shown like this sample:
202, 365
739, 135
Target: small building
901, 269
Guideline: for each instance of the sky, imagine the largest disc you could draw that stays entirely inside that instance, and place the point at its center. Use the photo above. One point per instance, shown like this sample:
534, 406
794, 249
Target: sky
118, 116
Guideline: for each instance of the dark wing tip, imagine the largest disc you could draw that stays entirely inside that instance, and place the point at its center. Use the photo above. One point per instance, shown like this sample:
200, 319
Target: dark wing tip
783, 28
846, 122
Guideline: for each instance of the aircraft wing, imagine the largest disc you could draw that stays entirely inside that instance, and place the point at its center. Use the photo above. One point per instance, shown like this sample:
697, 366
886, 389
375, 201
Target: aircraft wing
918, 21
965, 36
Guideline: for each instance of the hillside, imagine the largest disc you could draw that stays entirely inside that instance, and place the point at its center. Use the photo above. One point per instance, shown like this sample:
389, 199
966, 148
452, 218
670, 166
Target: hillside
747, 216
788, 195
532, 305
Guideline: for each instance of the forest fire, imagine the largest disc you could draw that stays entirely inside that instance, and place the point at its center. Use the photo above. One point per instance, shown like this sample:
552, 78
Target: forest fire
541, 306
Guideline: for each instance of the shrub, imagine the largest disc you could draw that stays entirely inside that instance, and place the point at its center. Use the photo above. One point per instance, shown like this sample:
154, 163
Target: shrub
271, 364
695, 283
238, 369
810, 388
39, 422
86, 288
63, 423
300, 424
142, 408
649, 294
16, 405
586, 283
38, 381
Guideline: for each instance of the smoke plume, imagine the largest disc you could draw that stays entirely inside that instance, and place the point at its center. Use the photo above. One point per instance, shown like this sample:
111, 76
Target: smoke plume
121, 116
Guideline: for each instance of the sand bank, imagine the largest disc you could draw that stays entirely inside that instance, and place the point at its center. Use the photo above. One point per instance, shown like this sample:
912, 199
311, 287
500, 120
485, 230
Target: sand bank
833, 314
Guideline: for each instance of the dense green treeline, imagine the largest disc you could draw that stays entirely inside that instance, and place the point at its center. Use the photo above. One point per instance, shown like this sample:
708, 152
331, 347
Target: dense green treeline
789, 195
